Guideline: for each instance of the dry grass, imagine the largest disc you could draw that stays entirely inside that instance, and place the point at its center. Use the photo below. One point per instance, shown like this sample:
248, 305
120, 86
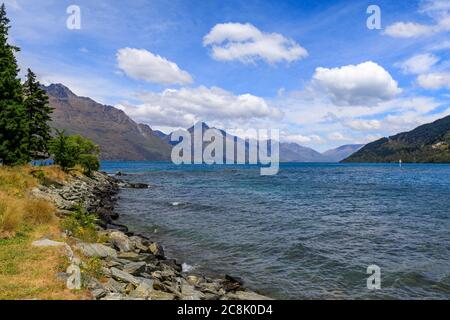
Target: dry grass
16, 207
54, 173
11, 214
16, 181
27, 272
38, 212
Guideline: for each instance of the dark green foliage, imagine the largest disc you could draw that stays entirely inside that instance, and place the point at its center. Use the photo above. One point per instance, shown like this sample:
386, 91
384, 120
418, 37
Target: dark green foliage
65, 152
38, 117
427, 143
69, 151
89, 162
13, 122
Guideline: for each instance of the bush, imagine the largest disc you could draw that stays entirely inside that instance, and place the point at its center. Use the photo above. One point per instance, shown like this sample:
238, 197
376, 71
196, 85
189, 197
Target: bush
92, 267
38, 211
65, 152
81, 225
69, 151
89, 163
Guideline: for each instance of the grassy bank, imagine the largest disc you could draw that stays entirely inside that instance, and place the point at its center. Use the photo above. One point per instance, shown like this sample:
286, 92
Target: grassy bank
27, 272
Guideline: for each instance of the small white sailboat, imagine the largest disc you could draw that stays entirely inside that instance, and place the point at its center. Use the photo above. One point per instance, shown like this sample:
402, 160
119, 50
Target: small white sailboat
400, 163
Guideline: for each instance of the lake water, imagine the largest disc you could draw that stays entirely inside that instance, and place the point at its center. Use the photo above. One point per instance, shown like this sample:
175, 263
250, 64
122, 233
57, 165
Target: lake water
309, 232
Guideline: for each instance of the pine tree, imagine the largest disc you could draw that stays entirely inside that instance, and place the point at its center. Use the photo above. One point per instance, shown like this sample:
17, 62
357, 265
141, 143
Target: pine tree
38, 117
13, 123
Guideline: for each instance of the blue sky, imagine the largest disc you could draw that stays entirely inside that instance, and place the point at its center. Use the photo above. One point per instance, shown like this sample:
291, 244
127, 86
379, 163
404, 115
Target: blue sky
309, 68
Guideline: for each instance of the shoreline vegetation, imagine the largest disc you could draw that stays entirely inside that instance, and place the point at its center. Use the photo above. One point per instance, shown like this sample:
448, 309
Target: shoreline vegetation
66, 222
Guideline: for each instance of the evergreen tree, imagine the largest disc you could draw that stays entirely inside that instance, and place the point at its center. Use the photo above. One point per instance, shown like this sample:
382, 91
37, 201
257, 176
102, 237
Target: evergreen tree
38, 117
64, 150
13, 123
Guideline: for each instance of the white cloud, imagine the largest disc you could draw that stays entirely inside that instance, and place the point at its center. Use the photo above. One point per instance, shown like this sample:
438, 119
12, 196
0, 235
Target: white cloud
337, 136
361, 125
246, 43
441, 46
435, 80
419, 64
185, 106
438, 10
409, 30
141, 64
298, 138
363, 84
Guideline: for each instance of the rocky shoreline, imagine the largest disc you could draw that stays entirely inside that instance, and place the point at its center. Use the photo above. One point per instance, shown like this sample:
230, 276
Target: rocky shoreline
132, 265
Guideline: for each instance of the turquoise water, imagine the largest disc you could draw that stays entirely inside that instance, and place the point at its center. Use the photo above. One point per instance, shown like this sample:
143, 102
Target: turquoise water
307, 233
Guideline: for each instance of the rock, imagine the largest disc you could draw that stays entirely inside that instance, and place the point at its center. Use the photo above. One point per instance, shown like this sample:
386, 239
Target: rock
188, 292
129, 287
161, 295
157, 250
193, 280
98, 293
96, 250
117, 227
172, 264
124, 276
112, 296
47, 243
232, 284
144, 290
138, 244
121, 241
132, 256
135, 268
246, 295
114, 286
91, 283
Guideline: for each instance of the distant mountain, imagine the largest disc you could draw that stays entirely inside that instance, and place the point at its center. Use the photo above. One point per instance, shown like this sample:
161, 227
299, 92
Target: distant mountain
293, 152
119, 137
427, 143
289, 152
342, 152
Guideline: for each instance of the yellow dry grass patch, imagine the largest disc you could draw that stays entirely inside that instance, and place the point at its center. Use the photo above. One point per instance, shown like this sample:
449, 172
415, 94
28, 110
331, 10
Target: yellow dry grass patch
27, 272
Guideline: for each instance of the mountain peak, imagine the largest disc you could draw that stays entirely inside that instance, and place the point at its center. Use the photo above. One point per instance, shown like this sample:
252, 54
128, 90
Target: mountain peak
58, 90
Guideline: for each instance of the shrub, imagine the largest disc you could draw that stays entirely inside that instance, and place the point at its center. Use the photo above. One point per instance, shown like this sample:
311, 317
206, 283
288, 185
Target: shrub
69, 151
89, 163
38, 211
65, 152
92, 267
81, 224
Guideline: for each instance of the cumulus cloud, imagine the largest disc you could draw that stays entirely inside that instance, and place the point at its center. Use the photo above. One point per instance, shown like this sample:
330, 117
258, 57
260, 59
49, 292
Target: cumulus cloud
435, 80
183, 107
246, 43
364, 84
361, 125
298, 138
419, 64
438, 10
141, 64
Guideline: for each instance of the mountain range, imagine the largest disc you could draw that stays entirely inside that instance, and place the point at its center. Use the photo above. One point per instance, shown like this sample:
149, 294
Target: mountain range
121, 138
428, 143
